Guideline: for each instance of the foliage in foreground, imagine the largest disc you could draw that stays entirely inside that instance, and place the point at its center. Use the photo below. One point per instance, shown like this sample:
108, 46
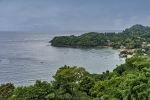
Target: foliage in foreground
129, 81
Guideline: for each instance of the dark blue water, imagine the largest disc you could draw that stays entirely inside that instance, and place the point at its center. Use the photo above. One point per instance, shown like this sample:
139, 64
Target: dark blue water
26, 57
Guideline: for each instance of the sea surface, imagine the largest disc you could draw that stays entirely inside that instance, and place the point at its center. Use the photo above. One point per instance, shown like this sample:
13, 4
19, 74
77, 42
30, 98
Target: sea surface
28, 56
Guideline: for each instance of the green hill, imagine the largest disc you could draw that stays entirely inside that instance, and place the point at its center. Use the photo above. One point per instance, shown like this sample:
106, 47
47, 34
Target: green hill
130, 37
137, 37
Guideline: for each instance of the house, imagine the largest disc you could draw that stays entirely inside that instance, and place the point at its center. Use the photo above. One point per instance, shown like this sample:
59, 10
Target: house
143, 50
110, 43
144, 44
148, 45
122, 47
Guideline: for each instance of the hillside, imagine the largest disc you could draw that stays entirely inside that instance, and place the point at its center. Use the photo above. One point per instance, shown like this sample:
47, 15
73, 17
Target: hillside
137, 37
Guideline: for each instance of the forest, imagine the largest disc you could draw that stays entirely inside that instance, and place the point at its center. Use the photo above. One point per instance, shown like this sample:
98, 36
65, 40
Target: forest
128, 81
136, 37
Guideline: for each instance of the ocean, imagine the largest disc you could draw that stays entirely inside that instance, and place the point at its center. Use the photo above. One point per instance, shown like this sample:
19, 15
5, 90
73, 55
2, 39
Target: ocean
28, 56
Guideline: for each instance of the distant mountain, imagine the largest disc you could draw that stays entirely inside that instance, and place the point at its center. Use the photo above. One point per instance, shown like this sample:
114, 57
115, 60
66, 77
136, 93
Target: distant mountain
138, 28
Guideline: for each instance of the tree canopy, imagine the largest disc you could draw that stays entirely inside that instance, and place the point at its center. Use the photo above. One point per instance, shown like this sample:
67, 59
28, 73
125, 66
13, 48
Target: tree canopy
130, 38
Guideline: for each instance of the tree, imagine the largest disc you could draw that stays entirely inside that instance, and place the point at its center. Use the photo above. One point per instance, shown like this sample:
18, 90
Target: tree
67, 79
120, 69
86, 84
38, 91
107, 89
136, 86
6, 91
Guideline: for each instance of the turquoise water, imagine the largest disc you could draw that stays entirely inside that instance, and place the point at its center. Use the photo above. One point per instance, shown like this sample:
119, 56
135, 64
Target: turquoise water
26, 57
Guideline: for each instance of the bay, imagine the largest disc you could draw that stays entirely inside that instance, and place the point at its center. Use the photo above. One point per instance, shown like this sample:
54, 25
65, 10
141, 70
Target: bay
27, 56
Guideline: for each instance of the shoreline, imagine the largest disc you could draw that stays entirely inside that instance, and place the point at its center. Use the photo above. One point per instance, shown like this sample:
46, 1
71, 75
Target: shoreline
128, 50
118, 49
82, 46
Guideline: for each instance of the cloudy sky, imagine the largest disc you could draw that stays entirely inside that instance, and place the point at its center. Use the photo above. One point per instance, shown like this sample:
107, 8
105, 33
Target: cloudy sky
72, 15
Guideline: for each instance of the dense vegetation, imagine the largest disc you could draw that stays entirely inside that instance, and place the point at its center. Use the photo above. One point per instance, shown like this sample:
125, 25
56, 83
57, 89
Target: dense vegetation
137, 37
129, 81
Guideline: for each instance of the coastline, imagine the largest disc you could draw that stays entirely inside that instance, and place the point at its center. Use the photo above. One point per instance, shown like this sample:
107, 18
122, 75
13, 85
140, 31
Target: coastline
82, 46
119, 49
128, 50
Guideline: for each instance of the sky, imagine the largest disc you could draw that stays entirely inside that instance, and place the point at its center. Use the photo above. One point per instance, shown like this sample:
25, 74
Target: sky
72, 15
